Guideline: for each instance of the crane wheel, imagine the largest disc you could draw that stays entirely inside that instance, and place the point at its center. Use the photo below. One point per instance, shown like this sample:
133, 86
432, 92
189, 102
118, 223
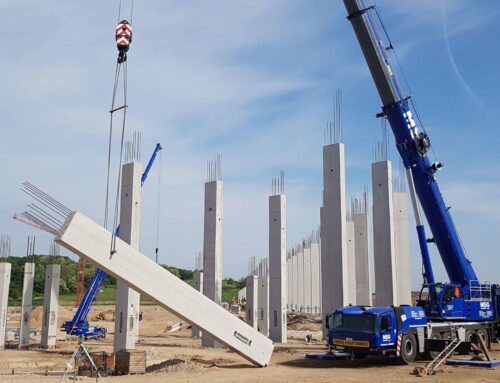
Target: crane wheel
408, 349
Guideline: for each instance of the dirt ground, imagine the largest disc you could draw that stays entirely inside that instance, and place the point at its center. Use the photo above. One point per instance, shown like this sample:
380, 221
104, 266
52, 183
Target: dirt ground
176, 357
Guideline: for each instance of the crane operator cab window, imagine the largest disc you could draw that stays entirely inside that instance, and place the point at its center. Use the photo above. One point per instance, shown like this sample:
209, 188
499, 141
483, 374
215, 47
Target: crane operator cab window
385, 323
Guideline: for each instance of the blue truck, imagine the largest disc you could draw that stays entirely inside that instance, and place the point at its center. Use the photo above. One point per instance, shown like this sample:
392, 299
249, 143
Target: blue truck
464, 308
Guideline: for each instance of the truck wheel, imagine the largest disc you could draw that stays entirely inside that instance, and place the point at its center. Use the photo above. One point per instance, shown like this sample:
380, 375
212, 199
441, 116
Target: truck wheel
408, 349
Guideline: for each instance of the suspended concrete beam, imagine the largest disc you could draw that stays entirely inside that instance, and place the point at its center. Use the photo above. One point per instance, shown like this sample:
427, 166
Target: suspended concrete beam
51, 305
86, 238
277, 268
5, 269
26, 305
127, 307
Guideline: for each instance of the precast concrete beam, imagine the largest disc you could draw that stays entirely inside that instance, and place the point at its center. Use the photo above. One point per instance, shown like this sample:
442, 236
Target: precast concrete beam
277, 268
26, 305
86, 238
383, 235
5, 269
51, 305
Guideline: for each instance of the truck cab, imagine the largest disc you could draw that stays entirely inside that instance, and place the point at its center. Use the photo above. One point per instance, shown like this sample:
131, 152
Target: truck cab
360, 331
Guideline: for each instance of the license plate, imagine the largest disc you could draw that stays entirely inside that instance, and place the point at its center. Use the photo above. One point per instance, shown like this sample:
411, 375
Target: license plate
351, 343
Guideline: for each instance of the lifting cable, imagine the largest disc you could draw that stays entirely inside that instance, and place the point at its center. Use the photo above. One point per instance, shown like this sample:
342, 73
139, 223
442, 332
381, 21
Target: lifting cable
123, 36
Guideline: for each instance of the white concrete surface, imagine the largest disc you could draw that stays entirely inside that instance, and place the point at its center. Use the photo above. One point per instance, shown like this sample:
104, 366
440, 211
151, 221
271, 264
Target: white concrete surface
127, 306
300, 280
334, 273
307, 281
351, 263
402, 247
86, 238
383, 235
5, 270
212, 248
26, 304
252, 307
361, 248
263, 303
198, 286
295, 277
51, 304
277, 269
315, 279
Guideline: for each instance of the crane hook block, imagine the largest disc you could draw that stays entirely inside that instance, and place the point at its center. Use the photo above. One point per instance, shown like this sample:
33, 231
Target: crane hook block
123, 38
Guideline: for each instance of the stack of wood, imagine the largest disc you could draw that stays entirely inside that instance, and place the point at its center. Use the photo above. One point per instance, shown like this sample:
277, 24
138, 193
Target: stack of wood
130, 362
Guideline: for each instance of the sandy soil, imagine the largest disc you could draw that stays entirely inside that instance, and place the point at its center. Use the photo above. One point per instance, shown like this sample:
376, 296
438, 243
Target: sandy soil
176, 357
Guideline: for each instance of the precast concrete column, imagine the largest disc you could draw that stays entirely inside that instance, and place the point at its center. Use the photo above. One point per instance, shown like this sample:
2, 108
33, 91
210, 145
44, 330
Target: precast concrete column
127, 307
300, 280
361, 246
288, 283
5, 269
351, 262
307, 280
212, 249
402, 247
198, 286
294, 281
50, 306
383, 235
334, 272
315, 279
26, 304
252, 307
263, 302
277, 268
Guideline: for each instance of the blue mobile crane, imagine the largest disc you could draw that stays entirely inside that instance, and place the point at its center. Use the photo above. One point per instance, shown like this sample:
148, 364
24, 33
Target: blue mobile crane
79, 325
464, 302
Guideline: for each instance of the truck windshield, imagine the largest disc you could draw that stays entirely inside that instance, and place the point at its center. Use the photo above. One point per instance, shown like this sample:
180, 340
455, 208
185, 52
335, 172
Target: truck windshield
364, 324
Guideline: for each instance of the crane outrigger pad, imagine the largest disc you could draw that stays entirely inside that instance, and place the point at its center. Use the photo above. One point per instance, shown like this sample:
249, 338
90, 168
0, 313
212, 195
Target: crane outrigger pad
88, 239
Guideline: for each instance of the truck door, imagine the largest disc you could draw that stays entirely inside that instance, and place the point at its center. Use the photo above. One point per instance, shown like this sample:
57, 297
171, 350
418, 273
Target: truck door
387, 329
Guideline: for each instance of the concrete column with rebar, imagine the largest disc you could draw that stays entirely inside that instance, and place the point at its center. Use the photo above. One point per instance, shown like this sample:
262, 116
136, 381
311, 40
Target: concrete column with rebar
383, 235
127, 307
402, 247
334, 267
5, 269
277, 264
361, 239
26, 304
50, 305
252, 307
212, 240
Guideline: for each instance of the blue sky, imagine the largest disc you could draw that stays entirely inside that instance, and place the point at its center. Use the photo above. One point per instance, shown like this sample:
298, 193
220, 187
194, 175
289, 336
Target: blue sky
253, 80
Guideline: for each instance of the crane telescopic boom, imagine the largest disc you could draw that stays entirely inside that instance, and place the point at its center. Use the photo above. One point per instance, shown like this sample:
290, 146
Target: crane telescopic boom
413, 146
